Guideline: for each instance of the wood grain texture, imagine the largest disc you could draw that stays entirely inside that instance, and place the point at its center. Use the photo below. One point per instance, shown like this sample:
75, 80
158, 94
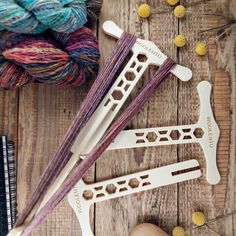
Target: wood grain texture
211, 200
160, 205
9, 114
37, 116
45, 113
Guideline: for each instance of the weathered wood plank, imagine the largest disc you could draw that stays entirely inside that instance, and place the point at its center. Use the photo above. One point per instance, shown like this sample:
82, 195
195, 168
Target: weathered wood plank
119, 216
9, 113
211, 200
45, 113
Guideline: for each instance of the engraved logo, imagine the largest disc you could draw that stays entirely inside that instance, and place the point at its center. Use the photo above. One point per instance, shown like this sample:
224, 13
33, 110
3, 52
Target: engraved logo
149, 49
77, 199
210, 132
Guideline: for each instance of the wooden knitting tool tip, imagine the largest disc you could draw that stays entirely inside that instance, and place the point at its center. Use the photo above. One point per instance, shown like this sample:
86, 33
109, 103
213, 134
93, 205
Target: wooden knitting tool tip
205, 132
82, 196
148, 47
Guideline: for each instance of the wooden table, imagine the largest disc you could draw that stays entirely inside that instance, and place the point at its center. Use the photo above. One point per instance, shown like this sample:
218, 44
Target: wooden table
37, 116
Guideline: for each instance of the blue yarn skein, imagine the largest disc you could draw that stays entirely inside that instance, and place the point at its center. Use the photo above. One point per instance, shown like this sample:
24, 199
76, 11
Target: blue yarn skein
36, 16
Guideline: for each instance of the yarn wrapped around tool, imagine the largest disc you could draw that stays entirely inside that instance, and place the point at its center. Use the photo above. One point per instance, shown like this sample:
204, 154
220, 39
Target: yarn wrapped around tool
55, 58
36, 16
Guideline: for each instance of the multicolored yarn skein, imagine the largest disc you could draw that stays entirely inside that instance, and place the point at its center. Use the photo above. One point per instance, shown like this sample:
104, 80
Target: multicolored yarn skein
59, 58
36, 16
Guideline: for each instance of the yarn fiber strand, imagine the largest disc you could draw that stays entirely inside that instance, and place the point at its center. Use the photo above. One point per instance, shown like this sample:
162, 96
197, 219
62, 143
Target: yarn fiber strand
59, 58
36, 16
102, 145
89, 105
93, 9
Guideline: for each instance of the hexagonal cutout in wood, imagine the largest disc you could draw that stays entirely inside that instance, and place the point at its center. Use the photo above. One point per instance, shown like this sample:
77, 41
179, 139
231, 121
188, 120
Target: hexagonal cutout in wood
111, 188
130, 76
134, 183
198, 133
151, 137
142, 58
117, 95
88, 194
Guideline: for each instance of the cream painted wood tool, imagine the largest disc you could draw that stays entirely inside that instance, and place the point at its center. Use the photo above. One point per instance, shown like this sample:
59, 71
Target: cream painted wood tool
205, 132
82, 196
145, 53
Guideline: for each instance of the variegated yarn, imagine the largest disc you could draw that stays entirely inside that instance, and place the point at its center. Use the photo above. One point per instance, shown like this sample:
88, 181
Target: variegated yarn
36, 16
59, 58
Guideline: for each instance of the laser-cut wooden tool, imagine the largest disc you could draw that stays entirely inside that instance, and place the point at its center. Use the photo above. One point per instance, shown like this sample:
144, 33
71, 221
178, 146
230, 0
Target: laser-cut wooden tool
109, 107
84, 195
205, 132
98, 131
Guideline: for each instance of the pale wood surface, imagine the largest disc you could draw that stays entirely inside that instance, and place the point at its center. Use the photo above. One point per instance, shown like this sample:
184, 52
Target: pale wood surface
37, 116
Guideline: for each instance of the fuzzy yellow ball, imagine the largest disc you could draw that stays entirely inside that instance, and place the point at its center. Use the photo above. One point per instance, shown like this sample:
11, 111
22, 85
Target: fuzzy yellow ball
180, 40
201, 49
179, 11
198, 218
178, 231
144, 10
172, 2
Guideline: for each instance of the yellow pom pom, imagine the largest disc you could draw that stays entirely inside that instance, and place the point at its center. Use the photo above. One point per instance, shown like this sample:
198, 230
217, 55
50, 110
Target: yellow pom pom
144, 10
172, 2
179, 11
180, 40
201, 49
178, 231
198, 218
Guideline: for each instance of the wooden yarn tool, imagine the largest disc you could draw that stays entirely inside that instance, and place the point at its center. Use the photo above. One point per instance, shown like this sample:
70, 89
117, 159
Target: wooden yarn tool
145, 53
82, 196
111, 104
39, 209
205, 132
